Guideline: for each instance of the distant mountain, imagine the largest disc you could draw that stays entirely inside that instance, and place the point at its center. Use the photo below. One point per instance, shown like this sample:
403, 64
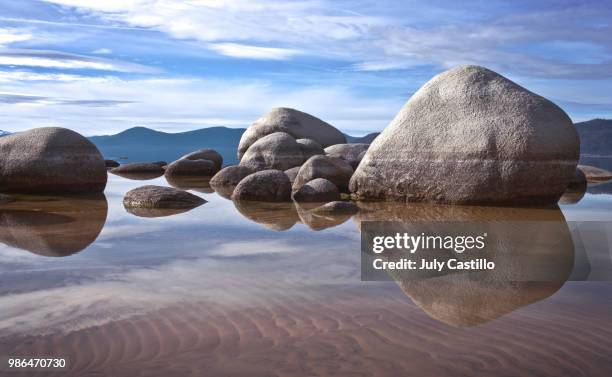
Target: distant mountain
596, 142
4, 133
367, 139
139, 144
145, 144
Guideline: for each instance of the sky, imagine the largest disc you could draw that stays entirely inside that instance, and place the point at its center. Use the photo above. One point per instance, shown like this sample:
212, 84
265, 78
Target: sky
101, 66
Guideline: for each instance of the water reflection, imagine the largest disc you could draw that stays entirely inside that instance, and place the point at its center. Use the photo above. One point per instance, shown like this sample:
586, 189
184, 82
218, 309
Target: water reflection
199, 184
138, 176
53, 226
532, 250
319, 222
275, 216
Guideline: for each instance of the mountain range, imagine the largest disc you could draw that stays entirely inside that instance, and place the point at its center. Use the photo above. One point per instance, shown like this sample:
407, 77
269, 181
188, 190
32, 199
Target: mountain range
145, 144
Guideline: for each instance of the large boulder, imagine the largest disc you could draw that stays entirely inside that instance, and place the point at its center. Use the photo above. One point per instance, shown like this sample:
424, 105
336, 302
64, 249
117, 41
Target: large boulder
277, 151
336, 170
206, 154
318, 190
50, 159
227, 178
352, 153
471, 136
296, 123
160, 197
265, 186
200, 168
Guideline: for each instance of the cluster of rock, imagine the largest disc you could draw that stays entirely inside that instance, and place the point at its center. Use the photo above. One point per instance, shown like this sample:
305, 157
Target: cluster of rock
468, 136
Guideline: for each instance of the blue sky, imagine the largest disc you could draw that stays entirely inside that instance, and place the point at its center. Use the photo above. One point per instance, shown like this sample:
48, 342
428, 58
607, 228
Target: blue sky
100, 66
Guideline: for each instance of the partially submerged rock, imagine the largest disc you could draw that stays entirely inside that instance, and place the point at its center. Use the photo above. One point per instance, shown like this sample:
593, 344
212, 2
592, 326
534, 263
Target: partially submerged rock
318, 190
266, 186
471, 136
138, 168
199, 184
336, 170
352, 153
575, 190
111, 163
160, 197
277, 151
228, 178
293, 122
200, 168
205, 154
50, 160
594, 174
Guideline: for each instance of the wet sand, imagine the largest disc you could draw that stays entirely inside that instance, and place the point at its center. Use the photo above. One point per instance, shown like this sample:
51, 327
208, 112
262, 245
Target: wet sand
339, 331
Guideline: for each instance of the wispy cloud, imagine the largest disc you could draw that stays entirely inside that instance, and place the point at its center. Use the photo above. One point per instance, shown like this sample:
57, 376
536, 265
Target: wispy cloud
63, 60
8, 36
237, 50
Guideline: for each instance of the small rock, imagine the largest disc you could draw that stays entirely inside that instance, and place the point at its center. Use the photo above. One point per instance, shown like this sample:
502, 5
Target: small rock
205, 154
266, 186
278, 151
352, 153
138, 167
310, 148
292, 173
201, 168
227, 178
111, 163
336, 170
160, 197
317, 190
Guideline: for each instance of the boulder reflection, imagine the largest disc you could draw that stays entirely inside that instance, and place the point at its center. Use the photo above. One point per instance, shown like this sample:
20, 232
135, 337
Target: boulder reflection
275, 216
199, 184
53, 226
533, 252
319, 222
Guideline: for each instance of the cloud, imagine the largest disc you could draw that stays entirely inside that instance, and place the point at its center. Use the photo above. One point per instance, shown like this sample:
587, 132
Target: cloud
102, 51
64, 60
12, 99
8, 36
253, 52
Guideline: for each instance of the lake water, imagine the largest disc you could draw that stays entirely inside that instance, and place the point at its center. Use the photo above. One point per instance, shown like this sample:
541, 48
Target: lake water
253, 290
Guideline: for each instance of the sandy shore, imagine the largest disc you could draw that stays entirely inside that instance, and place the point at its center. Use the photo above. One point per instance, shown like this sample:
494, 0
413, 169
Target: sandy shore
339, 332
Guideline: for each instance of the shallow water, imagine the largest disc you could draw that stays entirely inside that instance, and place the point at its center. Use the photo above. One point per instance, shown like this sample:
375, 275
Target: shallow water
270, 290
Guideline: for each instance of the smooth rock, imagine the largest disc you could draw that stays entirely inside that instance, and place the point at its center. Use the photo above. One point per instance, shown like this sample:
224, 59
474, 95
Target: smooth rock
293, 122
200, 168
205, 154
576, 189
265, 186
292, 173
138, 167
160, 197
471, 136
352, 153
336, 170
50, 160
227, 178
310, 148
278, 151
317, 190
594, 174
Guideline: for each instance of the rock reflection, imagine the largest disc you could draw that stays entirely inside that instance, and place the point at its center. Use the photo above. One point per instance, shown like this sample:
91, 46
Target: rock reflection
53, 226
576, 189
275, 216
533, 252
199, 184
318, 221
156, 212
139, 176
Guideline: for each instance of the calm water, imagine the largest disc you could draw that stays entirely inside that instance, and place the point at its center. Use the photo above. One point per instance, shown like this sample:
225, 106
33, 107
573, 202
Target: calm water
254, 290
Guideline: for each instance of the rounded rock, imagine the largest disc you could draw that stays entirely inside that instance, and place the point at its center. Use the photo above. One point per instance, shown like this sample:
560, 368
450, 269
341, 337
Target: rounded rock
265, 186
317, 190
160, 197
278, 151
